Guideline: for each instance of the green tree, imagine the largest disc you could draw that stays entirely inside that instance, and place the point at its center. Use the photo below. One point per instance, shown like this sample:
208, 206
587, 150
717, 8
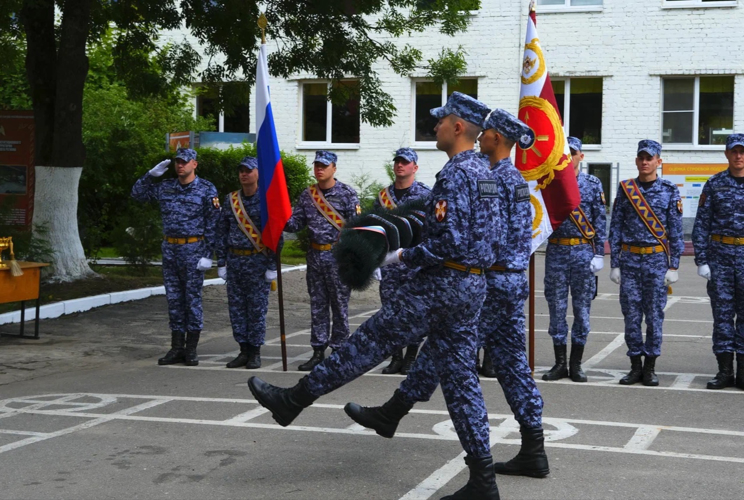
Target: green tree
330, 39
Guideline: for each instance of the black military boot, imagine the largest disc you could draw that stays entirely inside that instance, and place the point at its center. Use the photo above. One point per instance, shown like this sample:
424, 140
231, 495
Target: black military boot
482, 482
189, 356
725, 376
574, 364
175, 355
242, 358
382, 419
558, 371
254, 357
740, 371
487, 369
531, 460
649, 376
636, 371
318, 357
284, 404
410, 359
395, 363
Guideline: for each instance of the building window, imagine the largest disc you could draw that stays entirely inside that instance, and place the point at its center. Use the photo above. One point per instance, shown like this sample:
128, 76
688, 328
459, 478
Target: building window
697, 111
569, 3
236, 113
699, 3
429, 95
325, 122
580, 104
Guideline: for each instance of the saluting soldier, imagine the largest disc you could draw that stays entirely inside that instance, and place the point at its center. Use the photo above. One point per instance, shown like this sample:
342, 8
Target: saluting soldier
189, 208
575, 253
442, 300
246, 264
324, 208
646, 242
718, 237
403, 190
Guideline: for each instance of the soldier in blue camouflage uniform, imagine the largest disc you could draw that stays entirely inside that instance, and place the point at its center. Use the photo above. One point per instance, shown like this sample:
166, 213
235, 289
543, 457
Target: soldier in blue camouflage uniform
189, 207
502, 321
404, 190
442, 300
323, 285
247, 266
640, 264
718, 237
572, 259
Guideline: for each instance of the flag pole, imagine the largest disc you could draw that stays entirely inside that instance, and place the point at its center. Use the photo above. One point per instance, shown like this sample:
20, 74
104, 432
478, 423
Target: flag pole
532, 314
280, 291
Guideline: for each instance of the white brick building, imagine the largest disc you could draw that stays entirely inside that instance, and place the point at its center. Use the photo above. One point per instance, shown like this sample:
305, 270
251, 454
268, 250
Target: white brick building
669, 70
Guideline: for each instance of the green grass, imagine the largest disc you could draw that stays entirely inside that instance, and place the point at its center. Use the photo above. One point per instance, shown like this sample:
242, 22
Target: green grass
291, 253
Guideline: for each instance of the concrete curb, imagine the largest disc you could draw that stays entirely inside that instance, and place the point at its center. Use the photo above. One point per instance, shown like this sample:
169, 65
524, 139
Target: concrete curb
58, 309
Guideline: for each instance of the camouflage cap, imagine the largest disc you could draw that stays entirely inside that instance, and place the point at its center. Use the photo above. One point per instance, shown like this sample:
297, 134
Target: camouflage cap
248, 162
464, 106
325, 157
185, 154
506, 124
407, 154
575, 143
734, 140
651, 147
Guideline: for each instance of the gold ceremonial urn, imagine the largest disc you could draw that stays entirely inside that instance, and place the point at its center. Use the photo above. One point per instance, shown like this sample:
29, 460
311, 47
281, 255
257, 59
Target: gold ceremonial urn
6, 243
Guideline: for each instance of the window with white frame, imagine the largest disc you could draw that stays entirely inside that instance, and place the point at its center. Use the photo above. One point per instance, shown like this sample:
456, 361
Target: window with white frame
569, 3
700, 3
428, 95
235, 114
697, 111
580, 104
325, 122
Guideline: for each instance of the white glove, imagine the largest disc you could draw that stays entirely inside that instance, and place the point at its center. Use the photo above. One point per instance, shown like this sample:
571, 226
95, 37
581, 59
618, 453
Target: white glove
615, 275
160, 168
391, 258
204, 264
222, 272
596, 264
377, 275
704, 271
270, 275
670, 277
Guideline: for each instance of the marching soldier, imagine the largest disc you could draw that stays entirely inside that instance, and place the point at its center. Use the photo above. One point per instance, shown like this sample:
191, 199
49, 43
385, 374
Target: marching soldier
189, 207
502, 317
718, 237
646, 243
323, 208
442, 300
246, 265
404, 189
575, 254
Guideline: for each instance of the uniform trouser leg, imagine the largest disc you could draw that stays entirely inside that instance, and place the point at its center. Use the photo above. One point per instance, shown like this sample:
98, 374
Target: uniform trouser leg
630, 302
654, 301
338, 295
183, 285
556, 283
503, 318
248, 298
173, 291
726, 292
582, 292
319, 300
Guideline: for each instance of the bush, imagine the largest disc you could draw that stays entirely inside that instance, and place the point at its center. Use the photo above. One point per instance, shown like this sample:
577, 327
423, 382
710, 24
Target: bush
138, 235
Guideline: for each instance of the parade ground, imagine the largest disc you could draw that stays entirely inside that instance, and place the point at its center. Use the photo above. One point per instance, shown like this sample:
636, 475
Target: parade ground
86, 413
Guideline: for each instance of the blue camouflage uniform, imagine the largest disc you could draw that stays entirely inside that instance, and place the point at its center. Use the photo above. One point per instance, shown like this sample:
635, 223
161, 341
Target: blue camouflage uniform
502, 320
323, 284
187, 211
444, 303
567, 263
247, 288
718, 238
642, 289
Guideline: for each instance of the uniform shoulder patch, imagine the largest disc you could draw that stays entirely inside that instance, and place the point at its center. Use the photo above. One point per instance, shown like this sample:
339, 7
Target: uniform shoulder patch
358, 209
216, 202
679, 206
602, 197
701, 201
522, 192
440, 210
488, 188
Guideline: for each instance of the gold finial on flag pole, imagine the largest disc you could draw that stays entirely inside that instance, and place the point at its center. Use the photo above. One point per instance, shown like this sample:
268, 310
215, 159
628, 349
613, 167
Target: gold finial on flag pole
262, 23
532, 6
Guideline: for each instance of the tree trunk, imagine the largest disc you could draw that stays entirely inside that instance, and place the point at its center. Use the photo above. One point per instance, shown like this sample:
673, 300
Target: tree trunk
57, 78
56, 210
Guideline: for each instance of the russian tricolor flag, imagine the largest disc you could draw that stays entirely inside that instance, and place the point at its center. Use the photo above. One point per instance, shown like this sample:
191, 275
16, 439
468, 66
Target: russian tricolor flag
275, 206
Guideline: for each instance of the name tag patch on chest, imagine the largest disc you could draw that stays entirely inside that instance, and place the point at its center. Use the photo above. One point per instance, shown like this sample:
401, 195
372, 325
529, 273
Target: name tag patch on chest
488, 188
522, 192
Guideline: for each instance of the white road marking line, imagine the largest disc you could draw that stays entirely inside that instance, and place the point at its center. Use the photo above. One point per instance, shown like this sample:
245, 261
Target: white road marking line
426, 488
620, 318
249, 415
643, 438
671, 301
683, 381
608, 349
22, 433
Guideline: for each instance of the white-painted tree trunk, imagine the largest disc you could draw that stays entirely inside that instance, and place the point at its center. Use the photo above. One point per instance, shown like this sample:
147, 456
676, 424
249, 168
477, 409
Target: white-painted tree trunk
55, 207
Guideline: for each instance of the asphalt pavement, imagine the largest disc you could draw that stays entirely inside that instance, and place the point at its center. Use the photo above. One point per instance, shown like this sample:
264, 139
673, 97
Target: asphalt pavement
86, 413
